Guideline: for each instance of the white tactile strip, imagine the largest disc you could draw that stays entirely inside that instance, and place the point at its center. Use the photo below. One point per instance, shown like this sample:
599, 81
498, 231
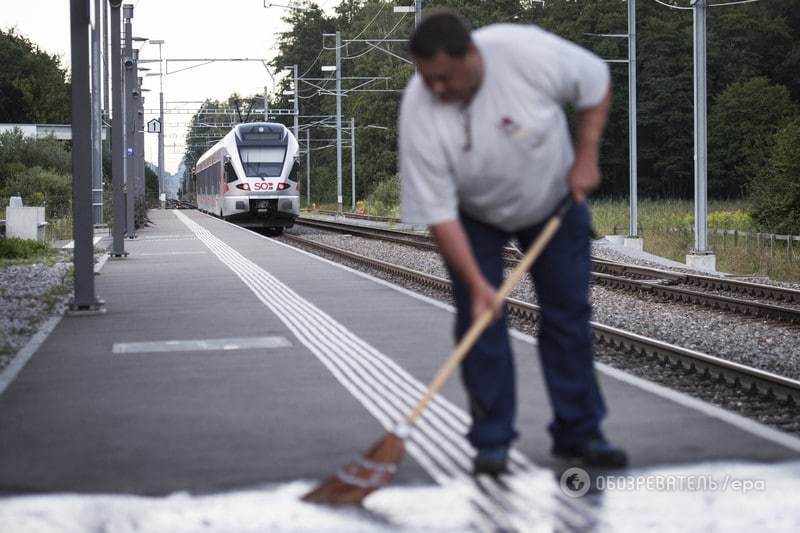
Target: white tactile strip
202, 345
388, 392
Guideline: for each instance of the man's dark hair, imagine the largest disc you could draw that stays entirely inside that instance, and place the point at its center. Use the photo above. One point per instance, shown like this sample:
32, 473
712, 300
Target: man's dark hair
440, 30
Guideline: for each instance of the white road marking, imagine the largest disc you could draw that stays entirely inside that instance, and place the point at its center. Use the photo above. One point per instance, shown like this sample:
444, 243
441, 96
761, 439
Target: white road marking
251, 343
71, 244
171, 253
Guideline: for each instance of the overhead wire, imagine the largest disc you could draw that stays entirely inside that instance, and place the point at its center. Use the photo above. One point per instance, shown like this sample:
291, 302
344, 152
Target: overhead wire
734, 3
365, 27
313, 63
371, 48
737, 2
672, 6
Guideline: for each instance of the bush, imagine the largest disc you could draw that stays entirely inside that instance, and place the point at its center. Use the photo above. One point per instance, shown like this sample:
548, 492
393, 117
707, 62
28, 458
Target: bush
47, 153
38, 186
387, 193
776, 192
737, 219
16, 248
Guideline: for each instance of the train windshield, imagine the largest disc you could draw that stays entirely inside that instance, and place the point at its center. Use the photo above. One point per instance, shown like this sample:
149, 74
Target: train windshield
262, 161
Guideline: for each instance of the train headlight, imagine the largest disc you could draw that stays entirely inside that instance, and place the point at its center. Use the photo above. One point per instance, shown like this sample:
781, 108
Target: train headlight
243, 186
283, 186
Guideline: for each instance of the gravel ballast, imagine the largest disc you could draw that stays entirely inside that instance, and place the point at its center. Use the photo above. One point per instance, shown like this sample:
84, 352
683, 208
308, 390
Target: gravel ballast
28, 295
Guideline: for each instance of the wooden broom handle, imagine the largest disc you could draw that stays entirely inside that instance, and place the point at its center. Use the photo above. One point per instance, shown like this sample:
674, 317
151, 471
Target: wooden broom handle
479, 326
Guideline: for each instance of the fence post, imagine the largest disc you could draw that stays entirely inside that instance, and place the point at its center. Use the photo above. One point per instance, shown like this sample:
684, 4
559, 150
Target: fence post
772, 244
724, 239
789, 247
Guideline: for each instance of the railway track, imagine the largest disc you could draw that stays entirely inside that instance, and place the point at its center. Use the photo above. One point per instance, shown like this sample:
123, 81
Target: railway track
672, 286
356, 216
179, 204
753, 380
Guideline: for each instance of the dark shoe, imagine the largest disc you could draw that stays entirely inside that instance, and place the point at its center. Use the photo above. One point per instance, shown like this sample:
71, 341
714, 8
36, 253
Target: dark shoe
595, 452
492, 461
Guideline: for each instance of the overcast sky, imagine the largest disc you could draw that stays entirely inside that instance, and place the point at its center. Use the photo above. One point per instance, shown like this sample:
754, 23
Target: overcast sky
190, 29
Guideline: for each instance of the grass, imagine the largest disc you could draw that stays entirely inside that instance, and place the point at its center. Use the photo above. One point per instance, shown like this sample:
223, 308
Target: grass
16, 248
657, 218
60, 228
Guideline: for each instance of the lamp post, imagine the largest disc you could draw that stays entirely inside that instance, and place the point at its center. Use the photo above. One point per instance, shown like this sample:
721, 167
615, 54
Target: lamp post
117, 135
84, 299
161, 196
632, 149
353, 163
700, 257
338, 69
131, 92
308, 168
140, 127
97, 120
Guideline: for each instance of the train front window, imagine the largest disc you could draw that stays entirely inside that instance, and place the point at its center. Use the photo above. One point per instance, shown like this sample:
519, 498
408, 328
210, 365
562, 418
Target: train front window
230, 172
262, 161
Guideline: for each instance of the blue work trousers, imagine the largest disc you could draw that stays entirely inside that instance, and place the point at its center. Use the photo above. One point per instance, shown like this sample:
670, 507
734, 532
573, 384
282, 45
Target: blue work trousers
561, 277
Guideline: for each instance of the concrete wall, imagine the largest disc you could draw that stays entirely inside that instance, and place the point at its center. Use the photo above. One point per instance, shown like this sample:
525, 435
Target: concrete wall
26, 223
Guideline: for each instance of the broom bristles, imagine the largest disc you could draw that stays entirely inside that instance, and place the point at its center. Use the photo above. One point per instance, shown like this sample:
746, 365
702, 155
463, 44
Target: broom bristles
363, 476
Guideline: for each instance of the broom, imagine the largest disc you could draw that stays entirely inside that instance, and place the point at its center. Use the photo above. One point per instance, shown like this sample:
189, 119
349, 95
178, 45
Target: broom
379, 464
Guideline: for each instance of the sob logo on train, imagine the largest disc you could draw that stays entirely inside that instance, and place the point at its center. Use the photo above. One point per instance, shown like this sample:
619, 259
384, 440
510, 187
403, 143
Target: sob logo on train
263, 186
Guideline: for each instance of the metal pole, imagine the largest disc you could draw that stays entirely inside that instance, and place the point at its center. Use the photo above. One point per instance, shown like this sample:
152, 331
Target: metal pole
632, 151
308, 168
139, 150
338, 124
296, 105
130, 124
117, 136
700, 177
160, 128
106, 96
417, 12
353, 163
266, 104
97, 121
84, 295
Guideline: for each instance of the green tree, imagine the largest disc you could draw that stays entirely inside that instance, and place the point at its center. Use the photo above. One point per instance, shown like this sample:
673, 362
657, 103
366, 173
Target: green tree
742, 125
776, 192
759, 40
33, 86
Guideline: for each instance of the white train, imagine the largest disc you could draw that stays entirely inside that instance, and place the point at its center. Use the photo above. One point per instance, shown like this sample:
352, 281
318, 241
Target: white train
251, 177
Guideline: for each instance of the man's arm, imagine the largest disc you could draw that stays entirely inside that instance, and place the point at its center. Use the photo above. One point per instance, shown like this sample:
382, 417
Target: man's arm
584, 176
455, 248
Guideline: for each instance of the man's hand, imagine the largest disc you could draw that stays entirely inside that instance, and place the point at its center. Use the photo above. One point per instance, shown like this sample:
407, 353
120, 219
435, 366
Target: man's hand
584, 176
484, 298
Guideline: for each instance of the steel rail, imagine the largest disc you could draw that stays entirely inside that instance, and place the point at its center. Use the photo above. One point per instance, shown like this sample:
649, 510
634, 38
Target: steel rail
733, 374
373, 218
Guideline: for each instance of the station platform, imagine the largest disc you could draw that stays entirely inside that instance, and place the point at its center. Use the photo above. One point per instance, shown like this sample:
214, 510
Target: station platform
228, 361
